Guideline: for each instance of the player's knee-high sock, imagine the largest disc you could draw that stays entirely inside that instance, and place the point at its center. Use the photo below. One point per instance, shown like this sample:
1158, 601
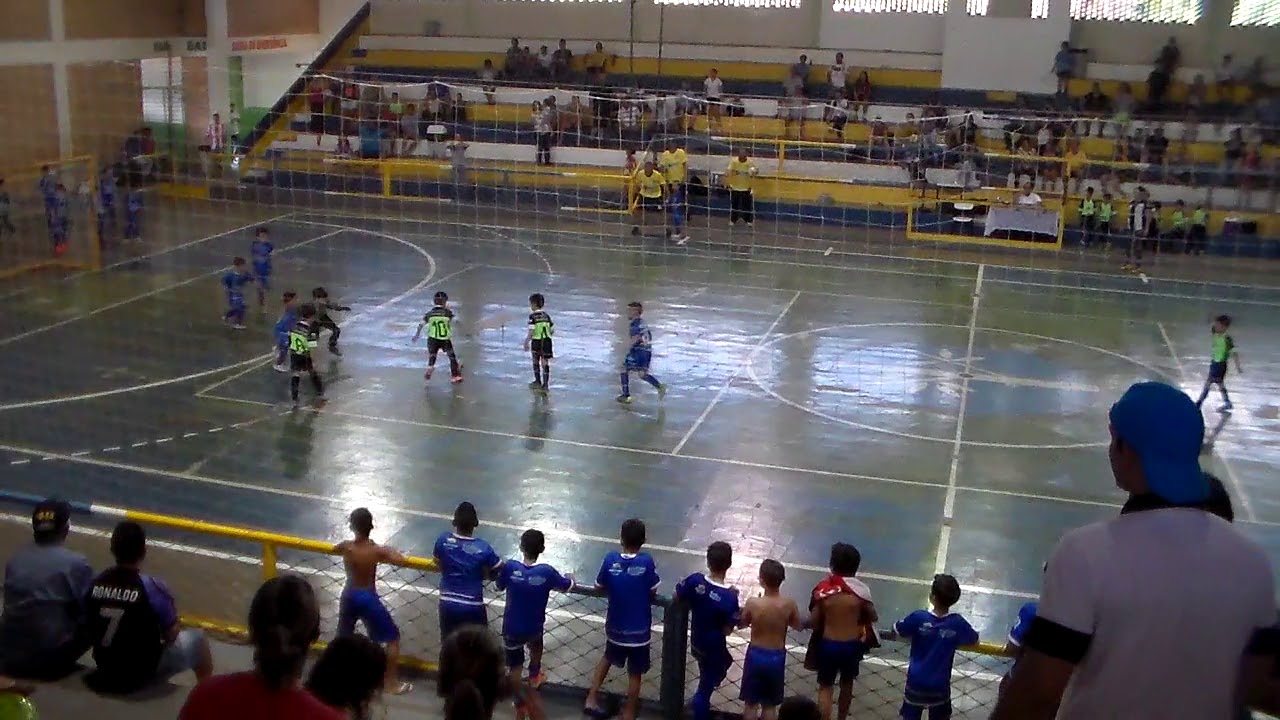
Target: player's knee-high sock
651, 380
1225, 397
1203, 394
546, 374
294, 383
537, 369
626, 383
317, 383
337, 332
700, 703
455, 368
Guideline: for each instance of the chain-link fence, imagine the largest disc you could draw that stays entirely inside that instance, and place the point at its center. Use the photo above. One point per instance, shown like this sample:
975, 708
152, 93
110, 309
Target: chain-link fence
214, 571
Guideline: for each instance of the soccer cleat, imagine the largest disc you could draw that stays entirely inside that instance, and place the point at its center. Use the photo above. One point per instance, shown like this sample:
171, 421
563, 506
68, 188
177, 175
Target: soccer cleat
238, 326
536, 681
535, 384
333, 350
1226, 408
546, 389
662, 391
624, 399
455, 379
748, 223
280, 367
60, 249
427, 375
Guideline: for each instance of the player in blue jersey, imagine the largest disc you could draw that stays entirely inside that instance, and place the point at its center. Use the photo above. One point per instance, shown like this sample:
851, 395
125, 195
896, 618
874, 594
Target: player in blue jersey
288, 318
59, 210
629, 580
639, 353
359, 602
260, 251
233, 282
133, 214
465, 563
48, 187
528, 584
713, 606
1018, 635
106, 205
935, 636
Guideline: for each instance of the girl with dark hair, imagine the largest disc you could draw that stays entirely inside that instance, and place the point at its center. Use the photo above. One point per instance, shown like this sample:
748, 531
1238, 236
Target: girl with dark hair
349, 675
284, 621
473, 676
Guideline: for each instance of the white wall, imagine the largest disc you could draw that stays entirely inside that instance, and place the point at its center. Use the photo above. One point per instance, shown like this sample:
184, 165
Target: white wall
884, 39
334, 14
268, 76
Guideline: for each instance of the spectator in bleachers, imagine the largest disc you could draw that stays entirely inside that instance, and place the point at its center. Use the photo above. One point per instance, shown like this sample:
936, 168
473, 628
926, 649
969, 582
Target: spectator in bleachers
317, 95
41, 629
511, 61
540, 116
597, 63
133, 623
664, 117
1226, 78
1075, 165
1100, 645
734, 107
713, 609
861, 96
545, 62
1064, 65
764, 668
561, 62
395, 108
409, 130
713, 92
881, 138
458, 160
800, 71
348, 676
630, 128
1170, 57
1028, 197
457, 110
799, 708
465, 563
935, 635
1197, 95
1123, 106
284, 622
838, 113
629, 580
837, 77
1157, 147
575, 117
487, 75
1094, 104
842, 616
471, 678
1050, 172
1233, 149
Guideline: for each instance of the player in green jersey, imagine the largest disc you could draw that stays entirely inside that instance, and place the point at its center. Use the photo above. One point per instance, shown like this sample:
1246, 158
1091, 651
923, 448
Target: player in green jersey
1224, 349
301, 341
538, 342
439, 324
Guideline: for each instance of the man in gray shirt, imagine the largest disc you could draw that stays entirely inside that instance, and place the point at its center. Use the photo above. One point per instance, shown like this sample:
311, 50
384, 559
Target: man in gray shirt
45, 585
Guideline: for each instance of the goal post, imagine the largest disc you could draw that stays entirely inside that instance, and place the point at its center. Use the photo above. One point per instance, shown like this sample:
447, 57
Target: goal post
51, 220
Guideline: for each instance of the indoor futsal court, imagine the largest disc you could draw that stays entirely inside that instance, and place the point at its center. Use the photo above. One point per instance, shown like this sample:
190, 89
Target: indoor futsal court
940, 413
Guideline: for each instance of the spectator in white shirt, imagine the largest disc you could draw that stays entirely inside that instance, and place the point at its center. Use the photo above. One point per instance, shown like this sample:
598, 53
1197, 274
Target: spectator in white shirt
545, 61
713, 88
1226, 76
838, 76
1163, 612
541, 118
1028, 197
215, 143
629, 116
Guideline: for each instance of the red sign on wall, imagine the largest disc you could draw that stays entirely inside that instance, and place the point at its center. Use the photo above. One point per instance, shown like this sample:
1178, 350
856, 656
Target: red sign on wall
259, 44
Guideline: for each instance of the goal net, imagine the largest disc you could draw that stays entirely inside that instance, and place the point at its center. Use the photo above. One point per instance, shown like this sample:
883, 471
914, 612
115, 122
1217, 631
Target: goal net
49, 217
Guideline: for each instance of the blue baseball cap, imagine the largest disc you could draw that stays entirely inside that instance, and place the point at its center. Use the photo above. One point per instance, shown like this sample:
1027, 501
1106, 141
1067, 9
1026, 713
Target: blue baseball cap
1165, 428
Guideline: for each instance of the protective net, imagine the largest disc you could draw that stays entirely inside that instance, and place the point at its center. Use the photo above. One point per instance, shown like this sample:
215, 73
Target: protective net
48, 217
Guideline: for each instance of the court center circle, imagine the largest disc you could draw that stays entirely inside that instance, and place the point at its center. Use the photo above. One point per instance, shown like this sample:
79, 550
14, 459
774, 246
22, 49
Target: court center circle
776, 339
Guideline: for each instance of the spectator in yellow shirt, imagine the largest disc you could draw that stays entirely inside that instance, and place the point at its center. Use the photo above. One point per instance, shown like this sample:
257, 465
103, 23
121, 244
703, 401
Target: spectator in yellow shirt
597, 63
739, 178
650, 186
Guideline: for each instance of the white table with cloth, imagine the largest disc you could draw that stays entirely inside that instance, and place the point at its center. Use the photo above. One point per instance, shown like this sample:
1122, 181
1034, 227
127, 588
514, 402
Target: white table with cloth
1034, 220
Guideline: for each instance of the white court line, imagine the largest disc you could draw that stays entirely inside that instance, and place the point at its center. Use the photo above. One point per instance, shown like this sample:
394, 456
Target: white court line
1245, 503
157, 253
566, 533
949, 501
737, 370
391, 587
120, 303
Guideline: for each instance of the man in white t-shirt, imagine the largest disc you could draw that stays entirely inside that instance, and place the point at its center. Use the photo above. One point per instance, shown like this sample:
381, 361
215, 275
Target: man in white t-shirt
1158, 613
713, 88
1028, 197
837, 76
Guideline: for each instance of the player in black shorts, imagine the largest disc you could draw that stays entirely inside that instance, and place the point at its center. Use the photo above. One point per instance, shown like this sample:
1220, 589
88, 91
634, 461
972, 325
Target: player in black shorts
302, 340
439, 324
538, 342
324, 321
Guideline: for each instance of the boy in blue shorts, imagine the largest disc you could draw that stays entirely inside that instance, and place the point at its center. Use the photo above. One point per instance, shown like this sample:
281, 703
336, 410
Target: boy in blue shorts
764, 668
639, 354
629, 579
1224, 349
528, 585
713, 607
935, 635
288, 318
360, 601
465, 562
260, 250
233, 281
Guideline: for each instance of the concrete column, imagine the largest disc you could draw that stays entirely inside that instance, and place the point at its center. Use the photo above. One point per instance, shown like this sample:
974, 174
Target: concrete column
61, 86
218, 54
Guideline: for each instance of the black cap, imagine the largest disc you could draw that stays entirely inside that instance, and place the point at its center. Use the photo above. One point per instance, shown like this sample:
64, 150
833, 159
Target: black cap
51, 516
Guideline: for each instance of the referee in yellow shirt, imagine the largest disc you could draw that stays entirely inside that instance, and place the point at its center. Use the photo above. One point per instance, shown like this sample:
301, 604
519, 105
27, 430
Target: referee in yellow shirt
673, 163
738, 178
650, 187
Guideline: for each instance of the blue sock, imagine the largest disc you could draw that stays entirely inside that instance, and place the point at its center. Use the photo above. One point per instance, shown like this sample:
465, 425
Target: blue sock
700, 703
651, 380
626, 383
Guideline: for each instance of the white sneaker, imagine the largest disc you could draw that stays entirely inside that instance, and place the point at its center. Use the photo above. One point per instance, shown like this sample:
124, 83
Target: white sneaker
748, 224
237, 326
280, 368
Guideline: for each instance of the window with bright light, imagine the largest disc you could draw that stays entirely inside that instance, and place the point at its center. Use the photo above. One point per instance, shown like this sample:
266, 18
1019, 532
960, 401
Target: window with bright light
750, 4
1256, 13
927, 7
162, 90
1184, 12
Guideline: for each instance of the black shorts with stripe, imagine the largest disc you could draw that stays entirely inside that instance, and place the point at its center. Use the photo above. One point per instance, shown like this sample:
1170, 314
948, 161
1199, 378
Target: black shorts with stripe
436, 345
541, 348
301, 363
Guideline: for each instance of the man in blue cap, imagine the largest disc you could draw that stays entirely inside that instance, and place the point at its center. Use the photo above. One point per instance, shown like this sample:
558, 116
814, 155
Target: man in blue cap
1148, 614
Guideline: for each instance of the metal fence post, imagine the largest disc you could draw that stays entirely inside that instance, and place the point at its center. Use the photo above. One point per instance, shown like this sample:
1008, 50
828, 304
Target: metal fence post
675, 654
269, 559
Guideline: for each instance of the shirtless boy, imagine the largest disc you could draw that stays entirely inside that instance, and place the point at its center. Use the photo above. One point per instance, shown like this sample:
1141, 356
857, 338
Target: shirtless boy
360, 601
764, 670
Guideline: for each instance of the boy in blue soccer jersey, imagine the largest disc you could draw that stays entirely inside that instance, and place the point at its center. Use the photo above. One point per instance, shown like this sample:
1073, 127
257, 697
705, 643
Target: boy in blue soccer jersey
713, 607
629, 579
764, 667
59, 219
360, 602
465, 563
528, 585
288, 318
260, 250
106, 205
935, 635
133, 215
233, 281
639, 354
48, 187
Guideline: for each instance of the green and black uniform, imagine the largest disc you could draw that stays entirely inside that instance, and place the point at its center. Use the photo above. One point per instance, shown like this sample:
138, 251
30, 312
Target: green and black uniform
1177, 226
1198, 236
324, 321
6, 207
1088, 219
1223, 348
540, 330
302, 340
1102, 220
439, 322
